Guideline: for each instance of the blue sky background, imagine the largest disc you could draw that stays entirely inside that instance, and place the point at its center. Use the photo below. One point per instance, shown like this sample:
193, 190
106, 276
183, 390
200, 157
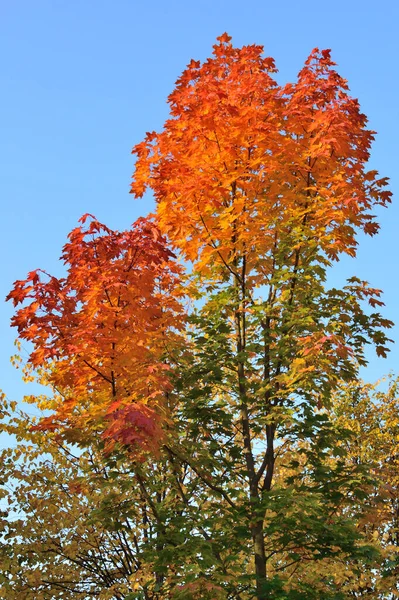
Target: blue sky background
83, 80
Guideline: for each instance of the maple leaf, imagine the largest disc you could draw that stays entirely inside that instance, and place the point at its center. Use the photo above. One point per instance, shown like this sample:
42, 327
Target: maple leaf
224, 38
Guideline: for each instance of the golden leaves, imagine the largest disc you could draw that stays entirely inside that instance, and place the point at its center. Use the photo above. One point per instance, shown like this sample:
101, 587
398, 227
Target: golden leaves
242, 157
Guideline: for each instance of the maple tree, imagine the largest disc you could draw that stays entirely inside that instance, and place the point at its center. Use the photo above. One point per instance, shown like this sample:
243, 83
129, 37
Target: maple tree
70, 528
79, 524
259, 188
104, 335
273, 185
369, 415
372, 414
72, 524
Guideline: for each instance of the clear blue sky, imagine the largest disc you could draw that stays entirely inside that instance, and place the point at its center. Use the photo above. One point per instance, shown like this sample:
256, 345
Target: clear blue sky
82, 80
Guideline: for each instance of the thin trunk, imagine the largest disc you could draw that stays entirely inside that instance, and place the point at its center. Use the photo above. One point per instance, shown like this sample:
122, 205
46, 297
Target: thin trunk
256, 527
256, 520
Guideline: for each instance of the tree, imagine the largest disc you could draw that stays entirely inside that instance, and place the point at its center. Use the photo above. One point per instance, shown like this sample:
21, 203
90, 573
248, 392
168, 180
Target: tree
55, 541
260, 188
79, 526
106, 331
372, 414
369, 414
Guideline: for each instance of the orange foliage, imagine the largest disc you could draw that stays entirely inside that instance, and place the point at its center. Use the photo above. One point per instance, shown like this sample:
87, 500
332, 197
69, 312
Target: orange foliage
245, 166
254, 181
105, 334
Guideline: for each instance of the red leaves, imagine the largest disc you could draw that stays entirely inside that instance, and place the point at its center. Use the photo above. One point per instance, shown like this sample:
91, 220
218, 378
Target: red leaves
46, 424
85, 217
134, 425
22, 288
319, 344
254, 183
108, 328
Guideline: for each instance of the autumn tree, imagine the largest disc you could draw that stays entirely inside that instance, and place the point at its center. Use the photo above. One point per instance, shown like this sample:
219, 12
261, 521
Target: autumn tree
372, 413
273, 186
260, 188
72, 524
104, 335
368, 413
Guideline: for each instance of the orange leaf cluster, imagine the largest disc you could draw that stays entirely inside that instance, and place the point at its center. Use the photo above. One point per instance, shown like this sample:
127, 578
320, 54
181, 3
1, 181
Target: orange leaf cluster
245, 166
105, 334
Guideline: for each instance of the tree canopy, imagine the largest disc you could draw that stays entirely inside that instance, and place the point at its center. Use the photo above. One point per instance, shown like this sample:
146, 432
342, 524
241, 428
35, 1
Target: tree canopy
208, 435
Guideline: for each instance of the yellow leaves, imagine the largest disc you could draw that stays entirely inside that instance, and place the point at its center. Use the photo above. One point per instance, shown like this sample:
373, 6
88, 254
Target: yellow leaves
55, 525
34, 578
16, 360
136, 581
372, 414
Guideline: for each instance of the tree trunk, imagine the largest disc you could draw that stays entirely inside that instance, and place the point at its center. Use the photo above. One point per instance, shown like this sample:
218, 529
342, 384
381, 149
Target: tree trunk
260, 560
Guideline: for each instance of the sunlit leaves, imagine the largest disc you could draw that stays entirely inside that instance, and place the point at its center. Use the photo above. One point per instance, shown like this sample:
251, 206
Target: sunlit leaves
244, 165
105, 334
238, 480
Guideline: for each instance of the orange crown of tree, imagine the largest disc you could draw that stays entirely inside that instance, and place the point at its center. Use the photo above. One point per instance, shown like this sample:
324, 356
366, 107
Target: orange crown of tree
243, 163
